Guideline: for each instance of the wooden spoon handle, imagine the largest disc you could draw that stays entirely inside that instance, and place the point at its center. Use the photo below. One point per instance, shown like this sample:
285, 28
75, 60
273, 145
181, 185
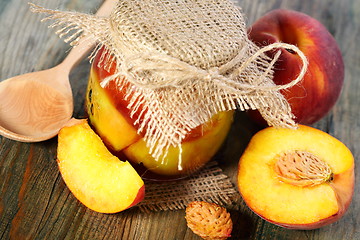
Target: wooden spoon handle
82, 49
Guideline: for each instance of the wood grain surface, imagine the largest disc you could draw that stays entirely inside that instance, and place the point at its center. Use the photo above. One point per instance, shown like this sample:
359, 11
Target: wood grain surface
36, 204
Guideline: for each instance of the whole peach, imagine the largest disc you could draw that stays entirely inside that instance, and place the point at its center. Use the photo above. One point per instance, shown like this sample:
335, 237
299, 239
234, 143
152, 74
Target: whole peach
320, 88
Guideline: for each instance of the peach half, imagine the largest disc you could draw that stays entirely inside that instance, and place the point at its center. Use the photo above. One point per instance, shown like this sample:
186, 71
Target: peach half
98, 179
299, 179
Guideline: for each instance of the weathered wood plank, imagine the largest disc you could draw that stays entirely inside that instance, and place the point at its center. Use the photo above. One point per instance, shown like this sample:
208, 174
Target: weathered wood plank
34, 201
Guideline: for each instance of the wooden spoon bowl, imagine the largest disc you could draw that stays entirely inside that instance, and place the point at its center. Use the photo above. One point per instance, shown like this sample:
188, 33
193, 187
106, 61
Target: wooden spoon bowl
35, 106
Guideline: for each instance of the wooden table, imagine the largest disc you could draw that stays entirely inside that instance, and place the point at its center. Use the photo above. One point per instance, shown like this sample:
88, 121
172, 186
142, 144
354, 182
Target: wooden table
36, 204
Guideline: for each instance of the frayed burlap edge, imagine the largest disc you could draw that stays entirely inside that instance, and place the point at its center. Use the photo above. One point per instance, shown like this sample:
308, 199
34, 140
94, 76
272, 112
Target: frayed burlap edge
172, 89
209, 184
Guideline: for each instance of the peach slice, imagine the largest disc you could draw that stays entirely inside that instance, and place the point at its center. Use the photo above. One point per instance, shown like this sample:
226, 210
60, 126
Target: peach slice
300, 179
98, 179
110, 123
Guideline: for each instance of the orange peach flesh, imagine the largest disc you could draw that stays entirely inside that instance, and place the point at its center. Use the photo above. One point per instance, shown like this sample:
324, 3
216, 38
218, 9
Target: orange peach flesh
108, 122
286, 204
98, 179
195, 151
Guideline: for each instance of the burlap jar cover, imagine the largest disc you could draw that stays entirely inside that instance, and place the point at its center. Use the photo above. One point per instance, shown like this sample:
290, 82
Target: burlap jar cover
188, 60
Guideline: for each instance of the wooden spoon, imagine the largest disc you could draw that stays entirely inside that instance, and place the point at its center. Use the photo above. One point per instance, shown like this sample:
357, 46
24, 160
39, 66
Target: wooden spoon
35, 106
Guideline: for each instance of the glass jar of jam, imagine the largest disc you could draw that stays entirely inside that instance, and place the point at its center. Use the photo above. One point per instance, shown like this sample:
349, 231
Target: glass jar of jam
110, 117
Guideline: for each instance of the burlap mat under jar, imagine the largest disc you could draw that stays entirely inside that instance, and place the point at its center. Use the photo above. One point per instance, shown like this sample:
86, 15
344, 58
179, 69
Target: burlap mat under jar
209, 184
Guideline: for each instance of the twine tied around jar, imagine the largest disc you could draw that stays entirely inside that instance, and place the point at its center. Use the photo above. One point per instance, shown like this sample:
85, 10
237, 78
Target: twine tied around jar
179, 73
186, 61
